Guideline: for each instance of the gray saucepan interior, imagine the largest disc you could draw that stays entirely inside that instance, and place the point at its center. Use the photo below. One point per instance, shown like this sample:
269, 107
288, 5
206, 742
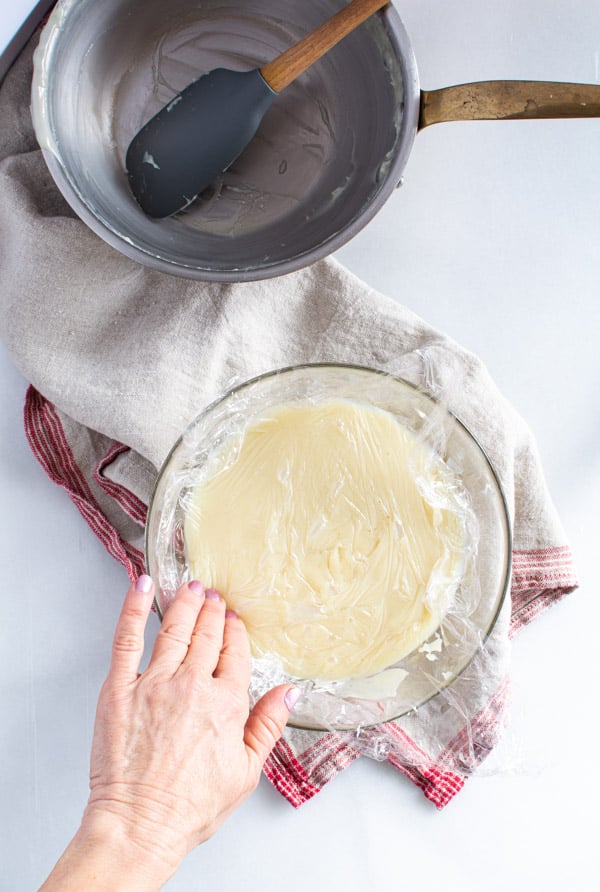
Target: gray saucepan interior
327, 155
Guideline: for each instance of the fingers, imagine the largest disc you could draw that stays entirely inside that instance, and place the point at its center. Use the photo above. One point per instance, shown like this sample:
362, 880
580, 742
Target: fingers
267, 720
207, 636
234, 660
175, 634
128, 641
196, 630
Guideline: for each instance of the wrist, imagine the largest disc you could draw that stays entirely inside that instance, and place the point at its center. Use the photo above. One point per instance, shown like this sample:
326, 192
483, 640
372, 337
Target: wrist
105, 857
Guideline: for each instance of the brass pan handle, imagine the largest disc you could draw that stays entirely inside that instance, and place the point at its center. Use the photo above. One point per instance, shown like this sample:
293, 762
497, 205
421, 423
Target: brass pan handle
509, 100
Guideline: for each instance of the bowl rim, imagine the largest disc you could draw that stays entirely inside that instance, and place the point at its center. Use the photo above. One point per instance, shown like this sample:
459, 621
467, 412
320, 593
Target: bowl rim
507, 565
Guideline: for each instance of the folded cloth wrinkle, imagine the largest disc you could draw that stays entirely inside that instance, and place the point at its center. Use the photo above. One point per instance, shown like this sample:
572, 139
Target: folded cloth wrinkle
121, 358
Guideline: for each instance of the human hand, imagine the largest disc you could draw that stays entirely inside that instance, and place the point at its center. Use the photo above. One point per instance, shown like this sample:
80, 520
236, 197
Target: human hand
175, 748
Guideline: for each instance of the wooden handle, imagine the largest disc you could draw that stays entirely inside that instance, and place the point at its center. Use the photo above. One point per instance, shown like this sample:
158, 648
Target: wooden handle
286, 67
509, 100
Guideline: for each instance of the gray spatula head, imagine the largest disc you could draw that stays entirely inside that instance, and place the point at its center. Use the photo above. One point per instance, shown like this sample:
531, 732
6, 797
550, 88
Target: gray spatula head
194, 138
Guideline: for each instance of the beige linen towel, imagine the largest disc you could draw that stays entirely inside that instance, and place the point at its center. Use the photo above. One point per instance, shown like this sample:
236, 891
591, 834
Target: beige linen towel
122, 358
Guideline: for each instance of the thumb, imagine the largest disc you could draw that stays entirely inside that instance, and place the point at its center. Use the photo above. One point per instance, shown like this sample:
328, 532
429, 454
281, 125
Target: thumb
267, 720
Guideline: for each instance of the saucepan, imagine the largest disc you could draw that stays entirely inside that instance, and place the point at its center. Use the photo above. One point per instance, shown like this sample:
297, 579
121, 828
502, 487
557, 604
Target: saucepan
328, 154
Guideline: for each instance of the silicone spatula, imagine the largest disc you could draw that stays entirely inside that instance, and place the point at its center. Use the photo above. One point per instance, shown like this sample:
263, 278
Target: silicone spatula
203, 129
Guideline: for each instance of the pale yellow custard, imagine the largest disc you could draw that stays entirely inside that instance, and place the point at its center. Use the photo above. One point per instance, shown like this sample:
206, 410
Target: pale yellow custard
334, 532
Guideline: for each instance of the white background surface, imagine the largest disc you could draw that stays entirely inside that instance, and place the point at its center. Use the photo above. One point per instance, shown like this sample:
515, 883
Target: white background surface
495, 238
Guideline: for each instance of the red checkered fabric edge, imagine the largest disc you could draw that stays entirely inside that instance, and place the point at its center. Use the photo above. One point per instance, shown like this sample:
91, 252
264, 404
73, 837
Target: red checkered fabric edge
46, 437
539, 578
129, 502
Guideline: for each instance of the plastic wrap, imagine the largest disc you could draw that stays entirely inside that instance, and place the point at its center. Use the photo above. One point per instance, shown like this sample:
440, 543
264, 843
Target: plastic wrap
310, 569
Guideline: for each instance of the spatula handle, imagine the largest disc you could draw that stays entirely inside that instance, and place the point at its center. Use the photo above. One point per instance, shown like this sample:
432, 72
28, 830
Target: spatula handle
291, 63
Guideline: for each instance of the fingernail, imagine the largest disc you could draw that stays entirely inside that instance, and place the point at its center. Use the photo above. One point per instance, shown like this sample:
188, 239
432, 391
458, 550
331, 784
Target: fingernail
212, 594
143, 584
230, 614
291, 697
196, 587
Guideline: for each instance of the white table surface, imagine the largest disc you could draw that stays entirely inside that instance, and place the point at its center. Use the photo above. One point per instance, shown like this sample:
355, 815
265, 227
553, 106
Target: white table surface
495, 238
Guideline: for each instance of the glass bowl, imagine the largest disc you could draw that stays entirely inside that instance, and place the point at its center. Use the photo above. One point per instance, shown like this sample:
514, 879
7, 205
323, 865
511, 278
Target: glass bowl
439, 661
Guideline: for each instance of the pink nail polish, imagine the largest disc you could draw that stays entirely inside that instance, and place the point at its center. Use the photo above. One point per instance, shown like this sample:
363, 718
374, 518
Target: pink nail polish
291, 697
143, 584
211, 594
196, 587
230, 614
